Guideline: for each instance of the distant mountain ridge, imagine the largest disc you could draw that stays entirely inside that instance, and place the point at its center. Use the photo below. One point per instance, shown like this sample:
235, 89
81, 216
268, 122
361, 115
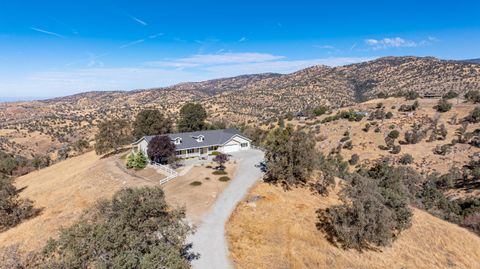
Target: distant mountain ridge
472, 61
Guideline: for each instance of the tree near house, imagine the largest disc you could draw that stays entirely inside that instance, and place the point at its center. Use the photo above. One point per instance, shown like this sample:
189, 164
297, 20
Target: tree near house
221, 159
161, 149
112, 135
290, 156
192, 118
151, 122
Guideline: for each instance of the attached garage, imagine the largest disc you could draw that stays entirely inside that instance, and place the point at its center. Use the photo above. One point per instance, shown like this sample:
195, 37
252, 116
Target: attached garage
231, 148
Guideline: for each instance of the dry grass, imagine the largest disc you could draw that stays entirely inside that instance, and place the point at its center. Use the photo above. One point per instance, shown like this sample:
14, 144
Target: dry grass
64, 190
278, 231
197, 199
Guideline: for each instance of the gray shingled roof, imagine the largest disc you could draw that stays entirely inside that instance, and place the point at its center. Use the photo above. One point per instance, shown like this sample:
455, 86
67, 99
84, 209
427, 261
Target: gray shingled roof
211, 138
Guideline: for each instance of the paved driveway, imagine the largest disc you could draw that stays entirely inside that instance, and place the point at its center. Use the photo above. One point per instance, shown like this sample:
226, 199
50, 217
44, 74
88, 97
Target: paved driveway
209, 240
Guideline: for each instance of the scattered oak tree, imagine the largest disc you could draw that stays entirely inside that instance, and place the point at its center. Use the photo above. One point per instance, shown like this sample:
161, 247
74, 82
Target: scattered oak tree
13, 210
192, 118
112, 136
290, 156
136, 229
151, 122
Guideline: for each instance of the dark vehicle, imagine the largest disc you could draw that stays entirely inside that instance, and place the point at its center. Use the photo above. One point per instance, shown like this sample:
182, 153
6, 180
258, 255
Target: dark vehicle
263, 166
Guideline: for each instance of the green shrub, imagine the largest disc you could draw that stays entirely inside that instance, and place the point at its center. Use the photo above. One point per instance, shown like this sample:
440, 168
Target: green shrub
450, 95
224, 178
394, 134
474, 116
136, 229
354, 159
13, 209
195, 183
443, 106
219, 172
377, 130
389, 115
137, 161
411, 95
406, 159
473, 96
215, 153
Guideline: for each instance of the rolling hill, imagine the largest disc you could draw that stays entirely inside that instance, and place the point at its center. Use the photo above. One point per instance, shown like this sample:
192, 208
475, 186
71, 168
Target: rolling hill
46, 126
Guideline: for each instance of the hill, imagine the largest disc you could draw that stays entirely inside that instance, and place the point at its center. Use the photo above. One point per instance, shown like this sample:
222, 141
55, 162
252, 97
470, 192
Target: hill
278, 231
50, 126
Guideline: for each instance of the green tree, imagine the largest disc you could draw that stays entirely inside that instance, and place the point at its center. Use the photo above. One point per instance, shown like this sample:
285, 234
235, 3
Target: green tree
137, 160
151, 122
290, 156
13, 209
136, 229
192, 118
112, 135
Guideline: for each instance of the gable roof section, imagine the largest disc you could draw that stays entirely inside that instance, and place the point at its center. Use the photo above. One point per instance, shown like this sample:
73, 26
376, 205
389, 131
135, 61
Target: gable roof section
211, 138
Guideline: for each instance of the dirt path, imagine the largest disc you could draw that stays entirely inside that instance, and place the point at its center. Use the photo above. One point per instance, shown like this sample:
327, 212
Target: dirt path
209, 240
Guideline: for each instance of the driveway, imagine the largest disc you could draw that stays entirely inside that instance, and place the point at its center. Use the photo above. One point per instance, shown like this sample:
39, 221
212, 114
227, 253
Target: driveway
209, 240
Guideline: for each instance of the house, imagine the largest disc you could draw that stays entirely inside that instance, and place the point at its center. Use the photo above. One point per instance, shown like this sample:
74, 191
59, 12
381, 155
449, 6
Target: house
201, 143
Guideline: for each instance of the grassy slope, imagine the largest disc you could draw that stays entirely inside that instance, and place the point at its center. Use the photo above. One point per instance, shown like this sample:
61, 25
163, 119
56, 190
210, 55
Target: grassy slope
279, 232
64, 190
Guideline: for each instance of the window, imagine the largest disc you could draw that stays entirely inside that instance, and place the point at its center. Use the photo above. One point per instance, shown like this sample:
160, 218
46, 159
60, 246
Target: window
200, 138
212, 148
244, 145
190, 151
178, 141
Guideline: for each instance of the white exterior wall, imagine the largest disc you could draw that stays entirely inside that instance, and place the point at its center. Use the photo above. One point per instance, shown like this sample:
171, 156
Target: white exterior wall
234, 145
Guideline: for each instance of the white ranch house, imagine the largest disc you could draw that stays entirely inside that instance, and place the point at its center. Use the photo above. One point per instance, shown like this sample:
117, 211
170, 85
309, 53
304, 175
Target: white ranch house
201, 143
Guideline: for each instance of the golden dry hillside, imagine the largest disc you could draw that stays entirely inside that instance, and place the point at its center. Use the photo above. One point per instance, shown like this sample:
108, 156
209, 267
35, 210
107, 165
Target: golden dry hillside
278, 231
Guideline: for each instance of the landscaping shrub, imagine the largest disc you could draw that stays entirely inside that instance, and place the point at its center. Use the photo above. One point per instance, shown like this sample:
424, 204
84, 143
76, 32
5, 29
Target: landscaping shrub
195, 183
224, 178
137, 161
219, 172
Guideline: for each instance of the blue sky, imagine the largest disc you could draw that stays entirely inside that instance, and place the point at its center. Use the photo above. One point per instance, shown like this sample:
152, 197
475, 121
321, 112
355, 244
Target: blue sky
56, 48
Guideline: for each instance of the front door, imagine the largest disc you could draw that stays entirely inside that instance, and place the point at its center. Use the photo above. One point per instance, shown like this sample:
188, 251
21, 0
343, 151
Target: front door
203, 151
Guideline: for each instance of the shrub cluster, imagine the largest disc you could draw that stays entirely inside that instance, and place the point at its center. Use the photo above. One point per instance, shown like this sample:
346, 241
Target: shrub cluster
137, 160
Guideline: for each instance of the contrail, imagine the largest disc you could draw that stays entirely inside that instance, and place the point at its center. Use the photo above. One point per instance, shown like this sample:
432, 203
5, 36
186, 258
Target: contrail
139, 21
45, 32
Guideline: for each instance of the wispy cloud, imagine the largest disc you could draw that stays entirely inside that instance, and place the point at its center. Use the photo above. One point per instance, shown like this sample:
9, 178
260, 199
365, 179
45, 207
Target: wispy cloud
324, 46
132, 43
398, 42
142, 22
217, 59
46, 32
243, 39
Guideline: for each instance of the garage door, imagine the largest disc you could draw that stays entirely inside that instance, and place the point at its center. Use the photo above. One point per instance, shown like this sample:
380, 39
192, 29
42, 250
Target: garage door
231, 148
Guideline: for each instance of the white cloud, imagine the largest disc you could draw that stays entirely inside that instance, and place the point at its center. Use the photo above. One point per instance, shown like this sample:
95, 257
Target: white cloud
394, 42
46, 32
218, 59
243, 39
